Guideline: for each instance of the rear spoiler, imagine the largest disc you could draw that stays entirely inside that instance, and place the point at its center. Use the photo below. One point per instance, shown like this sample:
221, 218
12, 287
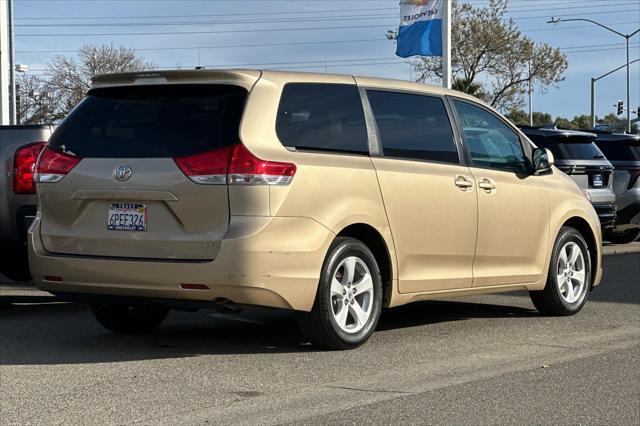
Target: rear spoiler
243, 78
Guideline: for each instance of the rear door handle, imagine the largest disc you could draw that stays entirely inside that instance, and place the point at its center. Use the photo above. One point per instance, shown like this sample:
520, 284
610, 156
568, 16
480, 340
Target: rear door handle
487, 184
463, 182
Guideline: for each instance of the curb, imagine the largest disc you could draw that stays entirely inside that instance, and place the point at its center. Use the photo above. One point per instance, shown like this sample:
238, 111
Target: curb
621, 249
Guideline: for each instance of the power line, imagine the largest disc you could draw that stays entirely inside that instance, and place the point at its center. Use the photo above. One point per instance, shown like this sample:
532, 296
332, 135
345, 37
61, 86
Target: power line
268, 21
300, 43
267, 30
307, 12
344, 62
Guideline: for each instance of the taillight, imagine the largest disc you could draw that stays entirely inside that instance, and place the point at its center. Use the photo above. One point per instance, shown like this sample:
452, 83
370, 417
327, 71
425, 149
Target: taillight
235, 165
53, 166
633, 178
209, 168
24, 162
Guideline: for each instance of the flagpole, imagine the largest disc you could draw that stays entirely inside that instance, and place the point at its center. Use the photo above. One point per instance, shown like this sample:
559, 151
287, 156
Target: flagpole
446, 44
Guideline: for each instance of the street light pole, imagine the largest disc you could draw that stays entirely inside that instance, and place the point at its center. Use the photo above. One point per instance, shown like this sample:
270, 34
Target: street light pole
627, 37
593, 89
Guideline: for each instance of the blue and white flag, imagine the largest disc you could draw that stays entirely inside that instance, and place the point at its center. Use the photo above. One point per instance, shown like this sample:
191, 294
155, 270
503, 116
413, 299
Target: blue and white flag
420, 28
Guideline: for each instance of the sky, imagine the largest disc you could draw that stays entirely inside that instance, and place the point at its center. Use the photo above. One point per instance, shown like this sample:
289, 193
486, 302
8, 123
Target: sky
336, 36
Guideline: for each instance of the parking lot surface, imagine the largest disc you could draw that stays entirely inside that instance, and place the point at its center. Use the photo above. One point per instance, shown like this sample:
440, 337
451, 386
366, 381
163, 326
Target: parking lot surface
474, 360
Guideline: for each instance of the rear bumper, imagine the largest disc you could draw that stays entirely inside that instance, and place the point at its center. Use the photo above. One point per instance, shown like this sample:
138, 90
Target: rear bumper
606, 213
264, 261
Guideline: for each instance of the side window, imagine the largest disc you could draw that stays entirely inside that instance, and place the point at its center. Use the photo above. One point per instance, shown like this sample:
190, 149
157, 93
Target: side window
323, 117
490, 142
413, 126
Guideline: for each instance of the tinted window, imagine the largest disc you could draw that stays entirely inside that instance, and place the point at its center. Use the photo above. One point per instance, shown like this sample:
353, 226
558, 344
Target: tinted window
152, 121
413, 126
620, 151
326, 117
491, 142
566, 150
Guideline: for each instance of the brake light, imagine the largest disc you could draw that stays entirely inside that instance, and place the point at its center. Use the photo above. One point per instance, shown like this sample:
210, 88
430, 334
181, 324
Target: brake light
235, 165
635, 175
53, 166
24, 162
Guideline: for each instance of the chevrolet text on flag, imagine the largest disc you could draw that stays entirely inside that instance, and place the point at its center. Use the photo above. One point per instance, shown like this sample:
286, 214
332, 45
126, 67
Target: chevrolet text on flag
420, 30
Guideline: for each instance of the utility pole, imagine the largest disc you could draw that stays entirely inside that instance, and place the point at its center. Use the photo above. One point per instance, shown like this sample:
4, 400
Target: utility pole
627, 37
530, 97
446, 44
4, 65
12, 66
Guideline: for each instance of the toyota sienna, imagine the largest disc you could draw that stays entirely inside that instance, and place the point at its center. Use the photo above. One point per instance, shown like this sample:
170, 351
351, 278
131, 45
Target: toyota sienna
331, 195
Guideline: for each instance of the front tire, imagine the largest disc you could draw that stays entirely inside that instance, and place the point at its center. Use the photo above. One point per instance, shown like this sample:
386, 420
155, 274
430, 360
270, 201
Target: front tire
348, 300
569, 278
126, 319
622, 237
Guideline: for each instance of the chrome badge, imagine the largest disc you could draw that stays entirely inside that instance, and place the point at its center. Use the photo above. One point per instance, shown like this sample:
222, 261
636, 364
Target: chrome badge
122, 173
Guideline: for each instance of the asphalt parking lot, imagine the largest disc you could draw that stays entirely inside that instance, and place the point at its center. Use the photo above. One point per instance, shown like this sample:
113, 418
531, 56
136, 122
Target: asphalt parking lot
475, 360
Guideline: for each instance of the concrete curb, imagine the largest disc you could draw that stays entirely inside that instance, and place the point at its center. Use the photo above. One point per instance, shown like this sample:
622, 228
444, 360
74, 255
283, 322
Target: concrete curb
609, 250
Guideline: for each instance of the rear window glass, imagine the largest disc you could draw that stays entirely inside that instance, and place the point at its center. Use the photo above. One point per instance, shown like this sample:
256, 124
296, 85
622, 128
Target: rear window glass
322, 117
620, 151
413, 126
152, 121
570, 150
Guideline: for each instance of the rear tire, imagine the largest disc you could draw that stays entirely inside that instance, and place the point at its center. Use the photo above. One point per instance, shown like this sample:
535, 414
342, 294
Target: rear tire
348, 300
128, 319
622, 237
569, 279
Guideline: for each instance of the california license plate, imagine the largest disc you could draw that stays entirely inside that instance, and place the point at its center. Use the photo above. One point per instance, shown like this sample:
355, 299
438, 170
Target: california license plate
127, 217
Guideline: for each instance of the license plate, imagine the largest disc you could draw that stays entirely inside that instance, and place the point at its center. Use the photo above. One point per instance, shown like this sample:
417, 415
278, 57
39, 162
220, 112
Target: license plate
127, 217
597, 180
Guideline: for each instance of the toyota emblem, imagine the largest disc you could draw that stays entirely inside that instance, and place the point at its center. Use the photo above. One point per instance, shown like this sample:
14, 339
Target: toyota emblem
122, 173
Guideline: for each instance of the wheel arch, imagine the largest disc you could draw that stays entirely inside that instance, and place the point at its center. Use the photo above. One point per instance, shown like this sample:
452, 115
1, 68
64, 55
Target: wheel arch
582, 226
378, 246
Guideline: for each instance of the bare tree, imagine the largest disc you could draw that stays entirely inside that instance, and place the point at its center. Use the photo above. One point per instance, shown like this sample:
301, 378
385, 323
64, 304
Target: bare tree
492, 59
67, 79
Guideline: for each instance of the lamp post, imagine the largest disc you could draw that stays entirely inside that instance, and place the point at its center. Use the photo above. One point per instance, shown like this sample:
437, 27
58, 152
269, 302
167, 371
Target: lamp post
593, 91
627, 37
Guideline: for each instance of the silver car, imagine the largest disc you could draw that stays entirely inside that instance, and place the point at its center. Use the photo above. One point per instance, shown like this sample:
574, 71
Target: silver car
577, 155
623, 150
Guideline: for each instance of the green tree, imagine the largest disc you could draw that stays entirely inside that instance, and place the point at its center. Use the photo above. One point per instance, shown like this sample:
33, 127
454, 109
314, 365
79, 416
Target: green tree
520, 116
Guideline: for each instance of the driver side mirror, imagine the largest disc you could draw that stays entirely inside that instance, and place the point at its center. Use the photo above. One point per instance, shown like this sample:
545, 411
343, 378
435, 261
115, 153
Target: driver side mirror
542, 161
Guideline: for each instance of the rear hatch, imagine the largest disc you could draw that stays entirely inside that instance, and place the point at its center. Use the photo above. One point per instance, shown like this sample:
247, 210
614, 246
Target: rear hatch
623, 150
113, 180
576, 154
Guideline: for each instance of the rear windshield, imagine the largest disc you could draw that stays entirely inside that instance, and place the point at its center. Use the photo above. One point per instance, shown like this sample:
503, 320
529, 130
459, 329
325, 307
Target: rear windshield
620, 150
152, 121
570, 150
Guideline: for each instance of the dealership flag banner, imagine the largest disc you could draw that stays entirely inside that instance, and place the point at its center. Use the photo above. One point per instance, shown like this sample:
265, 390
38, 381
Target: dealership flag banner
420, 30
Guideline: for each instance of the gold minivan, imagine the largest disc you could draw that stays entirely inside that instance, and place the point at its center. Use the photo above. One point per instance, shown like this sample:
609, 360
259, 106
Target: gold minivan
330, 195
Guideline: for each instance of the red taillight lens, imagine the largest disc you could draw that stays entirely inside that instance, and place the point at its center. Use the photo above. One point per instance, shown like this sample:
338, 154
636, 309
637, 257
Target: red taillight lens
235, 165
53, 166
208, 167
24, 162
246, 168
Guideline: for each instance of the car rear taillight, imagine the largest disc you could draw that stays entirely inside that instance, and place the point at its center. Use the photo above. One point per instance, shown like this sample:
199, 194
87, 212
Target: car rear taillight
53, 166
235, 165
24, 162
635, 175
